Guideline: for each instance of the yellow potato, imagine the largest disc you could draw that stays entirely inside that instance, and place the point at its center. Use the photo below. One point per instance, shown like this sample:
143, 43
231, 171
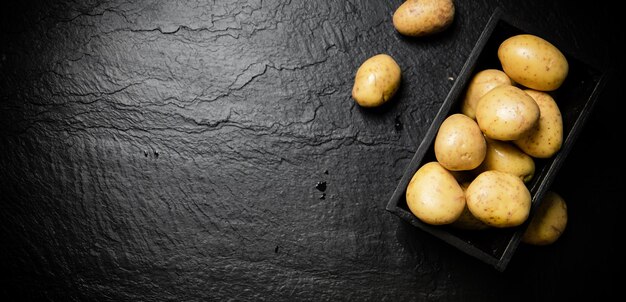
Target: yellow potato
481, 83
377, 80
533, 62
467, 221
434, 196
548, 222
506, 113
498, 199
459, 144
547, 137
418, 18
506, 157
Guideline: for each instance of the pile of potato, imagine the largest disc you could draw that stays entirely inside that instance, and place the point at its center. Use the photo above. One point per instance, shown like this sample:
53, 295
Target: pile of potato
484, 153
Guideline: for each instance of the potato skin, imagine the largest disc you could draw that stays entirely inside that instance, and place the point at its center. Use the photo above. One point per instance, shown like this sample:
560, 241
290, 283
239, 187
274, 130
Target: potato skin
481, 83
434, 195
459, 144
548, 222
376, 81
506, 157
506, 113
417, 18
498, 199
547, 137
533, 62
467, 221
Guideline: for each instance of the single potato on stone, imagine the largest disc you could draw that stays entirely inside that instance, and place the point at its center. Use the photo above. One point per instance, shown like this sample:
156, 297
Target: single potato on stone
417, 18
548, 222
377, 80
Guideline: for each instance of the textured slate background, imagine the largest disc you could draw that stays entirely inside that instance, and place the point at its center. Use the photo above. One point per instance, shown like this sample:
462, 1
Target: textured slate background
172, 150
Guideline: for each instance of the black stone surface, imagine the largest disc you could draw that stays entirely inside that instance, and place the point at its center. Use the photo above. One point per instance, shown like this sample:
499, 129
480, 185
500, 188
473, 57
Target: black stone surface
171, 151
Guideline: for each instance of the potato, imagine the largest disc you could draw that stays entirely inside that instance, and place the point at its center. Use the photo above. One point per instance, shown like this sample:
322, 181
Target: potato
547, 137
498, 199
481, 83
377, 80
434, 196
506, 113
467, 221
459, 144
533, 62
548, 222
506, 157
416, 18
